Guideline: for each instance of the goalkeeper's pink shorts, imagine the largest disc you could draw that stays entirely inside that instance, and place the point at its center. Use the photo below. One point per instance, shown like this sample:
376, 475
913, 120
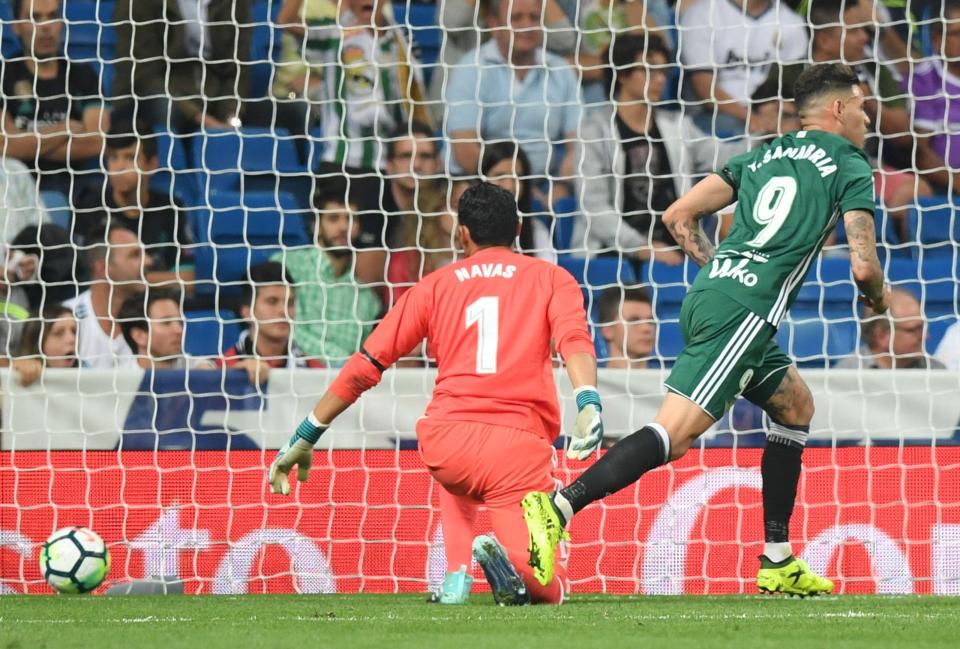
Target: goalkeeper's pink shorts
495, 466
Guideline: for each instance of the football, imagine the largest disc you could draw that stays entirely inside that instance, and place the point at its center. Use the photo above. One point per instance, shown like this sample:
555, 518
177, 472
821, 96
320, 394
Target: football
74, 560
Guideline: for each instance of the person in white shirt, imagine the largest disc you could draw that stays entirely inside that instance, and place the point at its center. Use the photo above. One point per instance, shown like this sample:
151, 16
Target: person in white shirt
948, 349
152, 325
727, 48
116, 270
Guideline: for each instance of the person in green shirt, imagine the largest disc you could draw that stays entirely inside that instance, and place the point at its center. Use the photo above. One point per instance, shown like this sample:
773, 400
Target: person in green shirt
730, 316
334, 313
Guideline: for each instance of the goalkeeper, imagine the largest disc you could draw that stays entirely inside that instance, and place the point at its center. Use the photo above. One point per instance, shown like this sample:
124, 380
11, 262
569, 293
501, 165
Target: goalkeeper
487, 434
790, 194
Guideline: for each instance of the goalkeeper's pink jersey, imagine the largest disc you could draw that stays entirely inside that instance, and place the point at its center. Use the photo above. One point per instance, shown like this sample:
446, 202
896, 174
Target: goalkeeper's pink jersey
490, 319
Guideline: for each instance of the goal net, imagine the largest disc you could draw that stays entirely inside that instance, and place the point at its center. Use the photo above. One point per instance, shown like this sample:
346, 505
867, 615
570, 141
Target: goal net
222, 151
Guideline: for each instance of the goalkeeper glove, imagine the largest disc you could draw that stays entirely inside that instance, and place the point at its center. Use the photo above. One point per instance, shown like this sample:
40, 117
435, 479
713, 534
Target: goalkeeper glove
297, 451
588, 428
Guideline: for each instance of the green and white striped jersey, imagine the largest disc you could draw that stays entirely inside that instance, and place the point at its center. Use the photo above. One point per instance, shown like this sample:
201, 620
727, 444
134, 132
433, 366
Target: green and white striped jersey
366, 88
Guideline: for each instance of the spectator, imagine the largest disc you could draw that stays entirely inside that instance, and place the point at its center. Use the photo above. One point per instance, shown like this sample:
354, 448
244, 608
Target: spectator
116, 262
14, 301
894, 340
727, 47
268, 307
638, 158
838, 35
53, 110
422, 244
179, 63
466, 25
510, 89
948, 349
409, 190
126, 199
601, 23
46, 247
152, 325
934, 86
49, 341
333, 313
295, 79
371, 86
20, 204
506, 165
627, 326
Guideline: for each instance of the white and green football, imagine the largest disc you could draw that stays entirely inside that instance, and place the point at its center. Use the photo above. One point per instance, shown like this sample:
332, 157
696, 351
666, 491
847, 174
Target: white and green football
74, 560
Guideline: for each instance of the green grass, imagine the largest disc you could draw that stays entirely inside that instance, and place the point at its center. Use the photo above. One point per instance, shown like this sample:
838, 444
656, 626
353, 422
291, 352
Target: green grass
399, 621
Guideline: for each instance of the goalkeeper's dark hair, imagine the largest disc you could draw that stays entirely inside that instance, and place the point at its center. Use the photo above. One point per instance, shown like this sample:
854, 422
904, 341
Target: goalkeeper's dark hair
269, 273
124, 133
610, 301
490, 214
627, 51
820, 80
18, 6
135, 312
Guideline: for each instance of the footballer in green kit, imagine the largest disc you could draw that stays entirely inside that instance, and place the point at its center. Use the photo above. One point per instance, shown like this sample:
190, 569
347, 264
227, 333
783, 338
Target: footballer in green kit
790, 194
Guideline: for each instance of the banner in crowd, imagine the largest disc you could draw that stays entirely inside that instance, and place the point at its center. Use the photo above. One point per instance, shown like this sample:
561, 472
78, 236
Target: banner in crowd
137, 410
883, 520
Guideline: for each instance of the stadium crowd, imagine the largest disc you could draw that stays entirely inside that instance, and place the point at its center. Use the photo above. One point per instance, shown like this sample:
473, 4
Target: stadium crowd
252, 183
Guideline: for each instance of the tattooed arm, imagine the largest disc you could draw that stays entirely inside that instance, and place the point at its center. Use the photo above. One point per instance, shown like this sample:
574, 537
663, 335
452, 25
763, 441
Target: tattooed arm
683, 217
868, 274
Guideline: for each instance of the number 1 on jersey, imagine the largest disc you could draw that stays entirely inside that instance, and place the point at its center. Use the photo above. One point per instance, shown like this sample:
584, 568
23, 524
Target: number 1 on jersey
485, 313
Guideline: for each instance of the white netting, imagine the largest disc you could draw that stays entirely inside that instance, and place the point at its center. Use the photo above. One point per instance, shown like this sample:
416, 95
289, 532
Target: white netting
277, 131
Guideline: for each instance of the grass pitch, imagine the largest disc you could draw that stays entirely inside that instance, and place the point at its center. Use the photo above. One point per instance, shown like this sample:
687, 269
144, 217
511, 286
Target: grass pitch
400, 621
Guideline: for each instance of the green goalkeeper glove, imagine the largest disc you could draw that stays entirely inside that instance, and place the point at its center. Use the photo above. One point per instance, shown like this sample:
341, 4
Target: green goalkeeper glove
588, 428
298, 451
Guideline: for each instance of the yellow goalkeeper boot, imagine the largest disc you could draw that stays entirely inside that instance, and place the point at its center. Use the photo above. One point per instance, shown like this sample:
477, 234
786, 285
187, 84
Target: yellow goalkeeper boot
791, 576
546, 531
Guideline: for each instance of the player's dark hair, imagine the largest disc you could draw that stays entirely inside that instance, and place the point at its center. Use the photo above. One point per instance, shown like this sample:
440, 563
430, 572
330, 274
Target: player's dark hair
822, 79
490, 214
135, 312
124, 133
402, 132
608, 304
265, 274
627, 51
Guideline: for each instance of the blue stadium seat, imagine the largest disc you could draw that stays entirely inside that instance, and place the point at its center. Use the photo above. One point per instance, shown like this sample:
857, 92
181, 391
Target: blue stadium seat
260, 218
223, 268
421, 22
172, 170
934, 225
9, 43
668, 284
208, 333
565, 211
264, 48
816, 334
828, 280
932, 278
229, 159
